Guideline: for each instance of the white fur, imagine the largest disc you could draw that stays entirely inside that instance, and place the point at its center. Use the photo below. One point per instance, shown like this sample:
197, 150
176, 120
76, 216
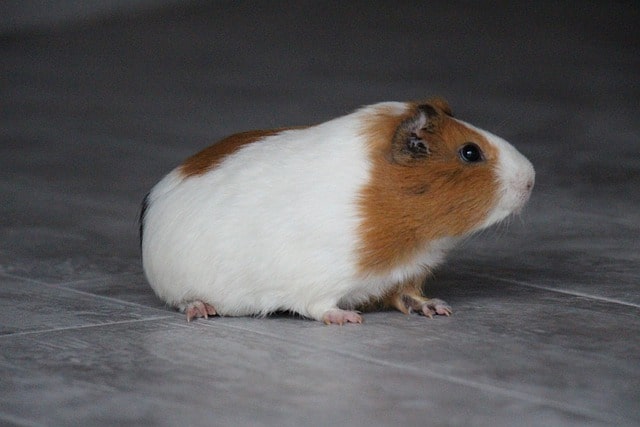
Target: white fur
516, 178
274, 226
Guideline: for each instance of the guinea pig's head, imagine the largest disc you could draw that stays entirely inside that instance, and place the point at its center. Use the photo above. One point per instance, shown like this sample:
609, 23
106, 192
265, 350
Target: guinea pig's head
470, 177
445, 177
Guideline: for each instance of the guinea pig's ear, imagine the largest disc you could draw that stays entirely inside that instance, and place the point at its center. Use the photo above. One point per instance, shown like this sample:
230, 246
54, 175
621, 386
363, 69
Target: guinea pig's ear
442, 105
409, 141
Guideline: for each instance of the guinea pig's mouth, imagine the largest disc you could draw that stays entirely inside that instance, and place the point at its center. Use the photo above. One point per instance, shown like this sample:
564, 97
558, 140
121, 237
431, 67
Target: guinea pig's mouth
526, 193
518, 192
524, 197
511, 202
522, 200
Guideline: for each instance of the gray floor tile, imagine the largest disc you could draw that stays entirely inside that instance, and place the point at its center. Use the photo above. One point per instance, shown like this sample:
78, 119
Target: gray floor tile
524, 341
167, 373
585, 253
30, 307
58, 256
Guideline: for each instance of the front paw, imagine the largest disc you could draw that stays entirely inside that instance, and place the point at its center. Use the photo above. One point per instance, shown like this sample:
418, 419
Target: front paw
435, 306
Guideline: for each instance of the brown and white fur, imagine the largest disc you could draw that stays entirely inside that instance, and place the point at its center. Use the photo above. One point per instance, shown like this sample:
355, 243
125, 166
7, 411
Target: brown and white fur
325, 219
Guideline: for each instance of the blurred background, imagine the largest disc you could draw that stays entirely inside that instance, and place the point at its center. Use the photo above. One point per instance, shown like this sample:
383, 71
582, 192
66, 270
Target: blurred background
133, 87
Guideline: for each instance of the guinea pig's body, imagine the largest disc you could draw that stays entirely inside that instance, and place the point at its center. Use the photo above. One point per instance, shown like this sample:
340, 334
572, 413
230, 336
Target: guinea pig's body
323, 219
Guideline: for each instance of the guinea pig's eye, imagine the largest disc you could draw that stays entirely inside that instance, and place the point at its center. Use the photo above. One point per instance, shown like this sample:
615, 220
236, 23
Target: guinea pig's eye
471, 153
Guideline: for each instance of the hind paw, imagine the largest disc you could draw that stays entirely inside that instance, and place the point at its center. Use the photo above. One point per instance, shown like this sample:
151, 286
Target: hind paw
340, 317
196, 309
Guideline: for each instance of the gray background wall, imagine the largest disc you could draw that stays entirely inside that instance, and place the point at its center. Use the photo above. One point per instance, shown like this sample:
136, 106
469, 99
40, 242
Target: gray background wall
39, 15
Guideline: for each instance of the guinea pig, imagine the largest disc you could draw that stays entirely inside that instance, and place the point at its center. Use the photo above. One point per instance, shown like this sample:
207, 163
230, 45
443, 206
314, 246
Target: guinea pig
327, 219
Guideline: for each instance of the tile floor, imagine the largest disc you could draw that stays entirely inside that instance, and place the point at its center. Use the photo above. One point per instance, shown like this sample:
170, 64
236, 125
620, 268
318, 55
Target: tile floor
546, 329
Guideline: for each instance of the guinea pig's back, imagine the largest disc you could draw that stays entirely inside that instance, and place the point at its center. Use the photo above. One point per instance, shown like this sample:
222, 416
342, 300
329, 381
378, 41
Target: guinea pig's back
262, 223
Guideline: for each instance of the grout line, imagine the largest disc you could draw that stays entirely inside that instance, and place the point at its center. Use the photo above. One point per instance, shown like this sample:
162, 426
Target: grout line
496, 389
490, 388
96, 325
561, 291
25, 279
95, 279
81, 292
106, 298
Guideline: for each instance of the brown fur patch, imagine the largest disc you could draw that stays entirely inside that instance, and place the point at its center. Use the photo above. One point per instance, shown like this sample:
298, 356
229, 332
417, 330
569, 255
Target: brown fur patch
406, 205
210, 157
397, 297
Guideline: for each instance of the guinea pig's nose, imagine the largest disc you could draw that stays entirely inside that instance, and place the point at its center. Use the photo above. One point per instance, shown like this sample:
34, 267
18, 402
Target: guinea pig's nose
529, 184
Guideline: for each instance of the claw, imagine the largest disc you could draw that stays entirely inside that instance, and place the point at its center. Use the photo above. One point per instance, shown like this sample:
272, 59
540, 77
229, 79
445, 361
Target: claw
436, 306
196, 309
